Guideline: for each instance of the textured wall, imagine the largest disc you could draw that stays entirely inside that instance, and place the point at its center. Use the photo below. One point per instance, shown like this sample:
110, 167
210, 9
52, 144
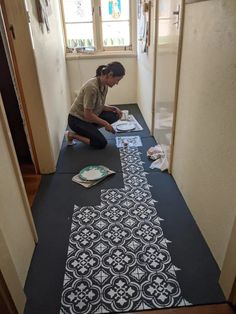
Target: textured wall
145, 69
81, 70
52, 73
204, 164
17, 16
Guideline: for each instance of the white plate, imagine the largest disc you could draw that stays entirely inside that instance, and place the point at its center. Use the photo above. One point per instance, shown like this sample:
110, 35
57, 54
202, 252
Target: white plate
93, 172
129, 126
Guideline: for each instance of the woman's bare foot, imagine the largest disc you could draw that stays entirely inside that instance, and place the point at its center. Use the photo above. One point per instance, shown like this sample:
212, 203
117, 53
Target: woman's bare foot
69, 138
72, 137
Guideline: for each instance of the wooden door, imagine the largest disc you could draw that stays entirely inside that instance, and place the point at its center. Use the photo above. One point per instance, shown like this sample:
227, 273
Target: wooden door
13, 96
7, 305
169, 30
12, 109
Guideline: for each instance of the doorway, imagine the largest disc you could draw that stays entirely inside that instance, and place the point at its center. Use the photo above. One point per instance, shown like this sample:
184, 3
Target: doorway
169, 34
12, 110
7, 305
15, 117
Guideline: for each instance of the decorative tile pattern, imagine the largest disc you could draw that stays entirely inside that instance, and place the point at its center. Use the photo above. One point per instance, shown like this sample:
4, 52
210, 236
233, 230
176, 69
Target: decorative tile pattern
131, 141
118, 258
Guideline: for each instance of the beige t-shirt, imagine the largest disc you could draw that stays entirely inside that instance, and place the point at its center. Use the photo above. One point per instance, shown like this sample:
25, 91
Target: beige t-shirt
91, 96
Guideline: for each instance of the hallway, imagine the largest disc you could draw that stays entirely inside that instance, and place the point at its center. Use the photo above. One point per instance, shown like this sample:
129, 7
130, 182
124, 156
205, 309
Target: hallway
183, 257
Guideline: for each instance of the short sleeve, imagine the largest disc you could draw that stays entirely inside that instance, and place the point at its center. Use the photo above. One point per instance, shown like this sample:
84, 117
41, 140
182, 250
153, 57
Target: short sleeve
90, 97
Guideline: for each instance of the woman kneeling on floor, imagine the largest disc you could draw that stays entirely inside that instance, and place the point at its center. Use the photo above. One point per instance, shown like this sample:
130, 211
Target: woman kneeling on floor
89, 112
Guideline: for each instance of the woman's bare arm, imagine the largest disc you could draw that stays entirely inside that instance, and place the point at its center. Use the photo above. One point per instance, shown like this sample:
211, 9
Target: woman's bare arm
113, 109
93, 118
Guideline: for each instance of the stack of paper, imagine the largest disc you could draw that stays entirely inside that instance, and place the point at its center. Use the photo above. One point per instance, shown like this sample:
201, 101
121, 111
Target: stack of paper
90, 183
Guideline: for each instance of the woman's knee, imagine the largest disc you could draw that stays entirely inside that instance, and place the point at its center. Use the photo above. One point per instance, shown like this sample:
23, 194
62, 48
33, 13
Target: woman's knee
74, 123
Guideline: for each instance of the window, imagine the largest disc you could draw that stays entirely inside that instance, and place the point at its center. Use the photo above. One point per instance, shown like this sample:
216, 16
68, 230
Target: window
97, 25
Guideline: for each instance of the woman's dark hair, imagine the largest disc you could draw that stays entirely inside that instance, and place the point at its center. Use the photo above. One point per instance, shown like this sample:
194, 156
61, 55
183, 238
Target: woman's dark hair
116, 68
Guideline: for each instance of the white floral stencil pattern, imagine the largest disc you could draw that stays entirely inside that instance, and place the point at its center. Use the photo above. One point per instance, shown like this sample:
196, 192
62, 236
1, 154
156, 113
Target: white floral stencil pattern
118, 258
131, 141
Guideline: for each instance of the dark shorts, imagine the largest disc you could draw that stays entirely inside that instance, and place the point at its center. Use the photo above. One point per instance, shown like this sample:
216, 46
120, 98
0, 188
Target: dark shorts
91, 130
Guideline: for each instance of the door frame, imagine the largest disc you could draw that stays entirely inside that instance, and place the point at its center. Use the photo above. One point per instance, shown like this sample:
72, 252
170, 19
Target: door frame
19, 90
7, 265
6, 303
10, 280
228, 270
179, 56
16, 167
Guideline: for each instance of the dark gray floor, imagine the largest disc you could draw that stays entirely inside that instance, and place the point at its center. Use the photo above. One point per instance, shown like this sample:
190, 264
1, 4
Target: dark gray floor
199, 273
73, 158
53, 209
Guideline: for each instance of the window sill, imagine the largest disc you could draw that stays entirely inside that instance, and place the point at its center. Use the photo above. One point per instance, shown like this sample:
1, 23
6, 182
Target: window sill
101, 54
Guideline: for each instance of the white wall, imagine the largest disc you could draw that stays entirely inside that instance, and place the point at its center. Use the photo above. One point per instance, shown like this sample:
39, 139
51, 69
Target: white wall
80, 70
204, 164
52, 73
145, 68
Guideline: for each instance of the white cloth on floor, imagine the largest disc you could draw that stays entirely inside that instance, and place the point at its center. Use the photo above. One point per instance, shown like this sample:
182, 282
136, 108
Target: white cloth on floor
157, 154
160, 163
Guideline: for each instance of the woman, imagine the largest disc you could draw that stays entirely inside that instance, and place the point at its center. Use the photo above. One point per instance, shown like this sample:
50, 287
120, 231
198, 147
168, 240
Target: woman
89, 112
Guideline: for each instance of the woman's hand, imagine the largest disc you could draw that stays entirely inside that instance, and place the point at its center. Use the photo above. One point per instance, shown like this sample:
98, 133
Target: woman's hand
93, 118
109, 128
118, 112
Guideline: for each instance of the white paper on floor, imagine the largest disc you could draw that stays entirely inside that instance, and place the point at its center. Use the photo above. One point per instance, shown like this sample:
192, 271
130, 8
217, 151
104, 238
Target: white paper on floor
161, 163
132, 120
130, 141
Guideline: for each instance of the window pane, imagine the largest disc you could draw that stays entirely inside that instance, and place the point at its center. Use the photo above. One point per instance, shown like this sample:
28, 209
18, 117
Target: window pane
116, 34
113, 10
80, 35
77, 10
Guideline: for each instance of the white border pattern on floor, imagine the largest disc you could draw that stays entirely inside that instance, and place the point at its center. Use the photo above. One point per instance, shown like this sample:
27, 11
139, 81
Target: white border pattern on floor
118, 258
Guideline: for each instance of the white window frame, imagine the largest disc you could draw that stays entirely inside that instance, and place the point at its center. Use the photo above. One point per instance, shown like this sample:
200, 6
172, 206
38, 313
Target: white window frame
97, 30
